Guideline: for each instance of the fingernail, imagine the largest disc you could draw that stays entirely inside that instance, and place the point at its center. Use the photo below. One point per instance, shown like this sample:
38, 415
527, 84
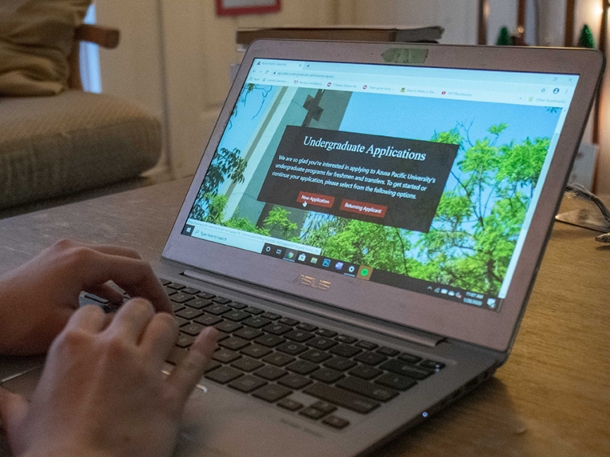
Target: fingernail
212, 335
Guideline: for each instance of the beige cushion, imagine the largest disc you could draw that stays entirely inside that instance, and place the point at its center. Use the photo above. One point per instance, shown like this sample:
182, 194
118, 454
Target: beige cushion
55, 146
36, 38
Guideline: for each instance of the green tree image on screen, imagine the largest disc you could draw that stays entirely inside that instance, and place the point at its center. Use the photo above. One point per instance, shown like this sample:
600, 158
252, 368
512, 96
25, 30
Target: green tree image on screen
472, 236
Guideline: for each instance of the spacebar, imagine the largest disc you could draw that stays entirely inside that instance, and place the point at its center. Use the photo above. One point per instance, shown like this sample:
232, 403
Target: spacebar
342, 398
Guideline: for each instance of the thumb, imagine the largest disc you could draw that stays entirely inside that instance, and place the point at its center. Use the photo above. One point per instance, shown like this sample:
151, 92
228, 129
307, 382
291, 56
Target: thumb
13, 408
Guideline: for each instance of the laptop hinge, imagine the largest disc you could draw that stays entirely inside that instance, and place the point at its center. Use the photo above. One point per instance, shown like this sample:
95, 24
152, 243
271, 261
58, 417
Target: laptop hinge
320, 309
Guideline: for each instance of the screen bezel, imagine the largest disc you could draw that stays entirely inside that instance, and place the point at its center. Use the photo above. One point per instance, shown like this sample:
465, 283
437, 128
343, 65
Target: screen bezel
495, 330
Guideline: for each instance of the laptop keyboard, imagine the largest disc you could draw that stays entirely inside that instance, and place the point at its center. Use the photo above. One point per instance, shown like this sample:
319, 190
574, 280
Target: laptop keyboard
270, 357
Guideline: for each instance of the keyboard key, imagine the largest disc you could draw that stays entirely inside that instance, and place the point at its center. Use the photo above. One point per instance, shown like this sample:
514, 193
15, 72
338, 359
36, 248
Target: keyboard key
256, 322
312, 413
190, 290
181, 321
225, 356
365, 372
316, 356
345, 350
247, 364
247, 383
326, 333
298, 335
184, 341
325, 407
367, 389
290, 405
236, 316
436, 366
227, 326
221, 300
234, 343
288, 321
97, 298
277, 329
307, 327
208, 319
270, 373
217, 309
198, 303
177, 307
302, 367
192, 329
272, 392
269, 340
395, 381
254, 310
340, 363
256, 351
292, 348
346, 339
181, 297
271, 316
248, 333
189, 313
294, 381
164, 282
224, 375
205, 295
387, 351
371, 358
322, 343
409, 358
175, 286
327, 375
335, 422
406, 369
278, 359
222, 336
169, 291
367, 345
212, 365
236, 305
342, 398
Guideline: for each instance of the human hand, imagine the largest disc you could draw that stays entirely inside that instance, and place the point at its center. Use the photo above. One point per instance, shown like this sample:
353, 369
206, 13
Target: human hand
38, 298
102, 392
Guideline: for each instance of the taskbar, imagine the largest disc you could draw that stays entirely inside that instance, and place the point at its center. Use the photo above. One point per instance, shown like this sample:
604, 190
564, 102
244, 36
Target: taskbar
367, 273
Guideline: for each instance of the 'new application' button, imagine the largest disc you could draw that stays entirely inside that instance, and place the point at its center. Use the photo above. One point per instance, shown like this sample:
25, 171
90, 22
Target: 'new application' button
307, 198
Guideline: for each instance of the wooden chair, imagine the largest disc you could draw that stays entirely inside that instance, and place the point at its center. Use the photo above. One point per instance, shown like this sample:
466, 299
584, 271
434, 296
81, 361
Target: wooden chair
106, 37
74, 144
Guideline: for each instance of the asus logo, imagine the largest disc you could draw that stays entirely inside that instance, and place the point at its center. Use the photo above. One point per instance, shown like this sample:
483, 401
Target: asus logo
310, 281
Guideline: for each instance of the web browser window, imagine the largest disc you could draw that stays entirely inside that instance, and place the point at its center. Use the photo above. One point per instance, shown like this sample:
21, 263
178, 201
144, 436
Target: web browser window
419, 178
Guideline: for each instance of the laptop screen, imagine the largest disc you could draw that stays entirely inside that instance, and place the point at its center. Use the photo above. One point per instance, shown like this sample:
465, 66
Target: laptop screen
424, 179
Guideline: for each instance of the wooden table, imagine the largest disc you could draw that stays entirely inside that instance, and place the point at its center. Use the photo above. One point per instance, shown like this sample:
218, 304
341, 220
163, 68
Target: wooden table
551, 398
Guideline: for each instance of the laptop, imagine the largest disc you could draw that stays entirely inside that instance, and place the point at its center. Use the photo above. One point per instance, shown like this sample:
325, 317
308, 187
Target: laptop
365, 228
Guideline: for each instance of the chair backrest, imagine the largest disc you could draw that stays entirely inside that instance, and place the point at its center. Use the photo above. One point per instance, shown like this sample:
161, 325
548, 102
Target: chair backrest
105, 37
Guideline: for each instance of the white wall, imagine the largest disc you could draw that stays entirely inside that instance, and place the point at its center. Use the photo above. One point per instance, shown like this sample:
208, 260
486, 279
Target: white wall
458, 18
198, 47
134, 69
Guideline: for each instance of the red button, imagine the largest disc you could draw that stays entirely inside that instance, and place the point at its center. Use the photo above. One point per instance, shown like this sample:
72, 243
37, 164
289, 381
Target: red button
316, 199
367, 209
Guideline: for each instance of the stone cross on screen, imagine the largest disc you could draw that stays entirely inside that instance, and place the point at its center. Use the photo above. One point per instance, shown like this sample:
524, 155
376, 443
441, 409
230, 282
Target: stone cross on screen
390, 181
